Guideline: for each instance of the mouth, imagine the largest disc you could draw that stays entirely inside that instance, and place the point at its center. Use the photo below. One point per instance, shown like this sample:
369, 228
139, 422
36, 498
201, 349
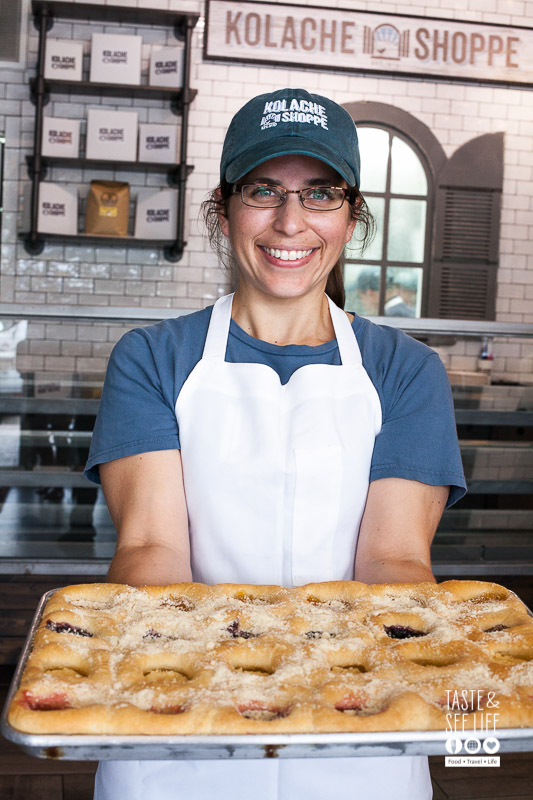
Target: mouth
284, 256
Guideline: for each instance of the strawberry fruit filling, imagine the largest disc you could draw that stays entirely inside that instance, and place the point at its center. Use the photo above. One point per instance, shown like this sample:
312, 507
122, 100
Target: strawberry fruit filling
51, 702
256, 709
350, 702
168, 710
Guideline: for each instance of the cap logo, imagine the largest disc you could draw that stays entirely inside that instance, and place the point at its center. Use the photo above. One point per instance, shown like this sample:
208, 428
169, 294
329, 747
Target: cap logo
302, 111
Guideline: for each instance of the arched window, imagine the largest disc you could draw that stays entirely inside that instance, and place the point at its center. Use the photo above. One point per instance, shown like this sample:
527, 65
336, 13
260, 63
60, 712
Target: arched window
436, 249
389, 278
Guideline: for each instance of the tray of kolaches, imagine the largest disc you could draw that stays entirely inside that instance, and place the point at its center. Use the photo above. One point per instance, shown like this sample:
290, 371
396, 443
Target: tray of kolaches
334, 668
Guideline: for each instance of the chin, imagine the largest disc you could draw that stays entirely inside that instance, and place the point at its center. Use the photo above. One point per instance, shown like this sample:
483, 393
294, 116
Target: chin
287, 287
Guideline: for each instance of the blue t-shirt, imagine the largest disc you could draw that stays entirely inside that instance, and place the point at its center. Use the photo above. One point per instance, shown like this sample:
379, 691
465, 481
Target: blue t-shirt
148, 367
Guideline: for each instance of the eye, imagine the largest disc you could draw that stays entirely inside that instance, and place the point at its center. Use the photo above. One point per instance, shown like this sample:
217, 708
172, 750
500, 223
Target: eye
261, 191
321, 193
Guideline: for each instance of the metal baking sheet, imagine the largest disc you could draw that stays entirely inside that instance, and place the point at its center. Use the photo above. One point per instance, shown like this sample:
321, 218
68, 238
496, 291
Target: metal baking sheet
297, 745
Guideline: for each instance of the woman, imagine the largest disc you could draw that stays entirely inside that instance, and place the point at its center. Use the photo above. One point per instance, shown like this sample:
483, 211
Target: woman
262, 439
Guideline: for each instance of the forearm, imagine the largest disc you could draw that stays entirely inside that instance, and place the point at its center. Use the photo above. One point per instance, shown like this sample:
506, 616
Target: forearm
149, 564
394, 571
398, 525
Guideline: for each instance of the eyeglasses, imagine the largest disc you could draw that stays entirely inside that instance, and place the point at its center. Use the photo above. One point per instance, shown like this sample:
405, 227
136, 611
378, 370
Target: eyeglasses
315, 198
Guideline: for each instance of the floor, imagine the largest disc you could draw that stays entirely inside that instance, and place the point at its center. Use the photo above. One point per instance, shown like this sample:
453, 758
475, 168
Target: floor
23, 777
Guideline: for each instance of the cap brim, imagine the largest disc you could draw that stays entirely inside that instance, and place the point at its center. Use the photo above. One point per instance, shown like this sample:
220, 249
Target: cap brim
283, 146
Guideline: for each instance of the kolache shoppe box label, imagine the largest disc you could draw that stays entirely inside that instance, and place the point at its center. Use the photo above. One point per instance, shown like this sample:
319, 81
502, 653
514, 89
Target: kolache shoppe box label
58, 209
61, 137
111, 135
155, 215
159, 143
116, 58
63, 60
166, 66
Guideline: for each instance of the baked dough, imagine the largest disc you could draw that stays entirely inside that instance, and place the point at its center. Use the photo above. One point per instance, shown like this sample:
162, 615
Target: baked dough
231, 659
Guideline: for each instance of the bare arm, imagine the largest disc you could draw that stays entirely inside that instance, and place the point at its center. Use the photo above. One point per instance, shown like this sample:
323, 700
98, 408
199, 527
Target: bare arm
398, 526
146, 499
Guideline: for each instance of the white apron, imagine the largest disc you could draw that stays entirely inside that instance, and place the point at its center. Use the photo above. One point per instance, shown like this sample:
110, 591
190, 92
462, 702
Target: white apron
276, 479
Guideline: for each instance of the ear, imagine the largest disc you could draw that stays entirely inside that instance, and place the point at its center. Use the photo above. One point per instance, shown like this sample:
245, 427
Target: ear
353, 220
350, 229
222, 215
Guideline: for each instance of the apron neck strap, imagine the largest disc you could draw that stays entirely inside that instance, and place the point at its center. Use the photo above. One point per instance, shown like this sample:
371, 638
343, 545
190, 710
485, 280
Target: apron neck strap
217, 334
346, 341
218, 331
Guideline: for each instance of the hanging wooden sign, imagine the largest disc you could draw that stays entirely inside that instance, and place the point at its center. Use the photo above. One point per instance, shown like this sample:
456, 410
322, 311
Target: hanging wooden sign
370, 42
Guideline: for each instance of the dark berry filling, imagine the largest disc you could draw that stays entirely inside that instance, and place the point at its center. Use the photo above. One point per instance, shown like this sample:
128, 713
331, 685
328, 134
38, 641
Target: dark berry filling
66, 627
402, 632
497, 628
320, 634
235, 630
152, 634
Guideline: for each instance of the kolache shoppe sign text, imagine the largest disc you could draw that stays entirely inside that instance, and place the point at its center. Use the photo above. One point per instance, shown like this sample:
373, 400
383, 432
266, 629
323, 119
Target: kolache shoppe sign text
357, 41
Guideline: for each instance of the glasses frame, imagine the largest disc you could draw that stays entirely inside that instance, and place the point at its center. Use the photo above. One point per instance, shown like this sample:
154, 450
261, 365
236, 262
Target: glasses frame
238, 188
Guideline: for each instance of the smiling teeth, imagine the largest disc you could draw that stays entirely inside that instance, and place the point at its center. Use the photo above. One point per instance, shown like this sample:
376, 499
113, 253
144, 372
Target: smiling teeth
287, 255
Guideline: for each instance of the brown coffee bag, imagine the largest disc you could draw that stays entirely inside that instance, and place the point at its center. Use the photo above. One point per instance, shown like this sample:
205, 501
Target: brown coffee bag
108, 207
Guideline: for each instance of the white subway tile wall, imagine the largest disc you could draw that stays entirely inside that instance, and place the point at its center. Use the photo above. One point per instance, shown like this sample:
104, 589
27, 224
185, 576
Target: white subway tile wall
128, 277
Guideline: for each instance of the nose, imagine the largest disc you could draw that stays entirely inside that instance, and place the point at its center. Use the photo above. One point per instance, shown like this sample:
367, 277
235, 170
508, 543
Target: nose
290, 218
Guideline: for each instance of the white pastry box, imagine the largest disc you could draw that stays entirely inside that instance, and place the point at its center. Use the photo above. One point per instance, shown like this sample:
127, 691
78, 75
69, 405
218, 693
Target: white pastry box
61, 137
111, 135
63, 60
116, 58
58, 209
166, 66
159, 143
155, 215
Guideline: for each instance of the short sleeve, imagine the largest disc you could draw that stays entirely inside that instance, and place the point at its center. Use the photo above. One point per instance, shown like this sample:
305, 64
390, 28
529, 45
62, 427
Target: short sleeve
135, 414
418, 438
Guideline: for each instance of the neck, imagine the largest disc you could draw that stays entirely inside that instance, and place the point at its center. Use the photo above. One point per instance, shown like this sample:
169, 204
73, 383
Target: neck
281, 321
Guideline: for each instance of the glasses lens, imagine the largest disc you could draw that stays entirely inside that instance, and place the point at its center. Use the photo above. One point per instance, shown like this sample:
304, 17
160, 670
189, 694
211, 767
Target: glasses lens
322, 198
262, 195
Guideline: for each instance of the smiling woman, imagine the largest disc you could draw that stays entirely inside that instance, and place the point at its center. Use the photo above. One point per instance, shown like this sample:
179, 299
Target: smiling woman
274, 438
215, 210
286, 250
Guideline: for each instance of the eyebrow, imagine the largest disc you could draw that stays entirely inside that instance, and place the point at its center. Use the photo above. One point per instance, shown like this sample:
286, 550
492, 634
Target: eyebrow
310, 182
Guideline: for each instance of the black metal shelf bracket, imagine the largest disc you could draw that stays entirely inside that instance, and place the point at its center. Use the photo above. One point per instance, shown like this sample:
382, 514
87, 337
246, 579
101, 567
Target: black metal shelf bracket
41, 11
34, 244
175, 253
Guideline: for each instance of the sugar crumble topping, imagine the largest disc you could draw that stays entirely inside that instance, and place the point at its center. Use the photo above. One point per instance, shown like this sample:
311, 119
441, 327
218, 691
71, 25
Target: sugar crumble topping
167, 648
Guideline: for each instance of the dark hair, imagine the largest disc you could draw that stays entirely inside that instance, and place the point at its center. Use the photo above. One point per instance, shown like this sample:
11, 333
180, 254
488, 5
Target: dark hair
217, 203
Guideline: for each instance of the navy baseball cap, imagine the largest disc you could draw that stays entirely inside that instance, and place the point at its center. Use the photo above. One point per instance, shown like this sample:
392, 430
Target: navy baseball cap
291, 121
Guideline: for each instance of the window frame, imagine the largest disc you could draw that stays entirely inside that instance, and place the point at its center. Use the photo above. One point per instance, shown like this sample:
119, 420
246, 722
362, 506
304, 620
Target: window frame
384, 263
474, 167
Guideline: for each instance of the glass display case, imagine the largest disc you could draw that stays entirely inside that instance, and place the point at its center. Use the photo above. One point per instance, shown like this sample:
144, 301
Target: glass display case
54, 521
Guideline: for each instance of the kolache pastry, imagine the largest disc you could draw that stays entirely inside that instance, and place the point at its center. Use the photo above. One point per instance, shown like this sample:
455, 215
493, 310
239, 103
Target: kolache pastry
328, 657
